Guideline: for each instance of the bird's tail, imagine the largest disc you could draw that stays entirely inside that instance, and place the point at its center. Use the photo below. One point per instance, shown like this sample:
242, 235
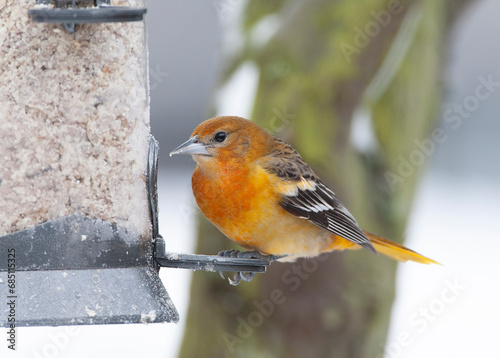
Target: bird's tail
396, 251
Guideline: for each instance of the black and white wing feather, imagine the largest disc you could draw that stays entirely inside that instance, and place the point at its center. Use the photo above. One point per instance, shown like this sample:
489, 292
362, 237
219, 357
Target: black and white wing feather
305, 196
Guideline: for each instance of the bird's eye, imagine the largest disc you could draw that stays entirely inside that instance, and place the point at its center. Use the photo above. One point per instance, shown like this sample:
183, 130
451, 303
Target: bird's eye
220, 136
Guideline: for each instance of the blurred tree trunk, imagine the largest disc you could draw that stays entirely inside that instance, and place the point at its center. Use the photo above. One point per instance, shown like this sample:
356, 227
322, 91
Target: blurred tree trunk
327, 61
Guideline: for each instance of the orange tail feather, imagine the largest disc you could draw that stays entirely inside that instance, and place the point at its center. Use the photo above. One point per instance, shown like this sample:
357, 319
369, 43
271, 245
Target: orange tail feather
396, 251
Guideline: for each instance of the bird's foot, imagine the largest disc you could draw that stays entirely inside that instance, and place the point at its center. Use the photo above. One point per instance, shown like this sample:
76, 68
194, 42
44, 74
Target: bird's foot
245, 276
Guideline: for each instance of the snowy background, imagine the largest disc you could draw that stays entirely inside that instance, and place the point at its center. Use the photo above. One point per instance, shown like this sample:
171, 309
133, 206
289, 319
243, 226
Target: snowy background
453, 310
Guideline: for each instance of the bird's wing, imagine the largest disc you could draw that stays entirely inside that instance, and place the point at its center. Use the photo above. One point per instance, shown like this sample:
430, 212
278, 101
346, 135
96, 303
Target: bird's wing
305, 196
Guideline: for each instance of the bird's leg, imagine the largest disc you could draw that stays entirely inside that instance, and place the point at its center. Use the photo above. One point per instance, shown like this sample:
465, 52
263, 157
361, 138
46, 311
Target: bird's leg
245, 276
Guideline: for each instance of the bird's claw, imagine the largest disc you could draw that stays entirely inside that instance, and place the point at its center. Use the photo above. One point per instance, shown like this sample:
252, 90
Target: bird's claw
238, 276
254, 254
229, 253
245, 276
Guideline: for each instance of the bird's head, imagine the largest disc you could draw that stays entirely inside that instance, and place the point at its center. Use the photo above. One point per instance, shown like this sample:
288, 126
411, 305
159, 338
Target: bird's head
224, 139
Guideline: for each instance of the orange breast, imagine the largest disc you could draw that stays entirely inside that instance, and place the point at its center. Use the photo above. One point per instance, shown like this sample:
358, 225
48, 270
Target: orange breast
231, 202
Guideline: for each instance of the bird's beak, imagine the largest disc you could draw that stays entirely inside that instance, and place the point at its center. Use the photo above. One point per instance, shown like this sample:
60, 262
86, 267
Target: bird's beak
191, 146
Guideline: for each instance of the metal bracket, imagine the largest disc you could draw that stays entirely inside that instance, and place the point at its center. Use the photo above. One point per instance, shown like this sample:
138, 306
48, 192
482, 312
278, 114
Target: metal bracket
206, 262
188, 261
71, 12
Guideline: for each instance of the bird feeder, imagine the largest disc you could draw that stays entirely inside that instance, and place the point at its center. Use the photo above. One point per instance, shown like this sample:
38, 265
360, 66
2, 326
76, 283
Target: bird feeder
72, 12
79, 236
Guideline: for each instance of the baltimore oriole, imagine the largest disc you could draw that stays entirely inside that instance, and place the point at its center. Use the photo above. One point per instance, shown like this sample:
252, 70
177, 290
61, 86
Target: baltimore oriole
261, 194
